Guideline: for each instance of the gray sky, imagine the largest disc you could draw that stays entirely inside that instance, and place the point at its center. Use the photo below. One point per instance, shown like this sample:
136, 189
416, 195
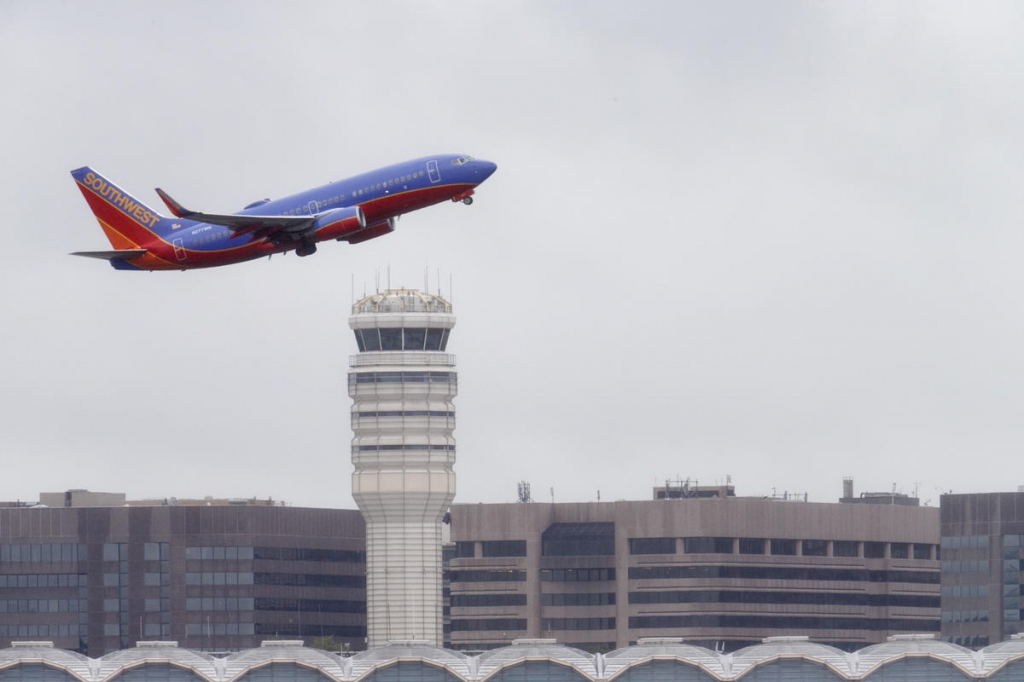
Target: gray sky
777, 241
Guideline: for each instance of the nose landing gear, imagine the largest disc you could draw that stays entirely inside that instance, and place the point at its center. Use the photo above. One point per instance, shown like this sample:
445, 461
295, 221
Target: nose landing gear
465, 197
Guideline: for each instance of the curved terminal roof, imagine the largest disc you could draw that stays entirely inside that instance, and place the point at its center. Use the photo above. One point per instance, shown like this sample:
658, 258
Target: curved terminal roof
157, 652
522, 650
401, 301
904, 646
908, 651
365, 662
43, 652
998, 655
774, 648
285, 651
668, 648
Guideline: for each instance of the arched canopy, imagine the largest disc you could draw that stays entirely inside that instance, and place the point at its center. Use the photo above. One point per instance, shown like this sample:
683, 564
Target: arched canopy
36, 672
559, 662
284, 671
664, 670
280, 659
453, 663
912, 668
150, 671
410, 671
790, 670
745, 661
145, 663
896, 649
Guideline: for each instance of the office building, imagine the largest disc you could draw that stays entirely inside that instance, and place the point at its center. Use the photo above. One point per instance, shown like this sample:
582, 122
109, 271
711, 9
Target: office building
720, 571
212, 575
982, 547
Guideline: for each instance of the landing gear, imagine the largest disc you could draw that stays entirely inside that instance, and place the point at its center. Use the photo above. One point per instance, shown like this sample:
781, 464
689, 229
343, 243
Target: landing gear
468, 201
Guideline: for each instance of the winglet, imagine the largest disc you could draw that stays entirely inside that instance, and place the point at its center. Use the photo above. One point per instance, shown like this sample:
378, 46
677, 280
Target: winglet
175, 208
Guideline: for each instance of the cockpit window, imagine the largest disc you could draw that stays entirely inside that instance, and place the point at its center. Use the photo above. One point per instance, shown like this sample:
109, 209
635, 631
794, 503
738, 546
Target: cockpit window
461, 160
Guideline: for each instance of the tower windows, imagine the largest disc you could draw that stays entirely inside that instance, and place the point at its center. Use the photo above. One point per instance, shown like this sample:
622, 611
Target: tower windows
408, 338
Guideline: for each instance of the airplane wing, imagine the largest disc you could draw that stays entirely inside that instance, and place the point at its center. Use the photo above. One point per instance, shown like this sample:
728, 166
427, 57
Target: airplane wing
120, 254
272, 226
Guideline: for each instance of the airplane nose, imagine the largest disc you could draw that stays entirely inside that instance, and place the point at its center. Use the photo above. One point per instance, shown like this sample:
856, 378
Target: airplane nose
486, 169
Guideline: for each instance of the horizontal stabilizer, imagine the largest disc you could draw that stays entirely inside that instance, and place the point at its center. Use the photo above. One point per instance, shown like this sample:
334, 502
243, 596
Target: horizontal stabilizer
120, 254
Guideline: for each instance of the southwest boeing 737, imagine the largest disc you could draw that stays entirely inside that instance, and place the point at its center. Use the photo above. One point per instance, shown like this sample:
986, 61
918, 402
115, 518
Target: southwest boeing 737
352, 210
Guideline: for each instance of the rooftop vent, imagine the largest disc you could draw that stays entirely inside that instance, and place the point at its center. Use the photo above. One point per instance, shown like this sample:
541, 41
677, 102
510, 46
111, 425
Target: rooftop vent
533, 642
32, 645
915, 637
162, 644
409, 642
281, 643
786, 638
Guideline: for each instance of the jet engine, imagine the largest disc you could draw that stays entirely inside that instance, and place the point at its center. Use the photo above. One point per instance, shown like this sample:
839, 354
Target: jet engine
338, 222
371, 232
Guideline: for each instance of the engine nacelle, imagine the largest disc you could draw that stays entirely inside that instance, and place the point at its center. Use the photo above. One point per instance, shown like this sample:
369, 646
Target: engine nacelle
375, 230
338, 222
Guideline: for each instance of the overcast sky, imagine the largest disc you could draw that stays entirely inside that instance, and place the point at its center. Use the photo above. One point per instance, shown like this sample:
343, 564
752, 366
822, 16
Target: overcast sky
780, 242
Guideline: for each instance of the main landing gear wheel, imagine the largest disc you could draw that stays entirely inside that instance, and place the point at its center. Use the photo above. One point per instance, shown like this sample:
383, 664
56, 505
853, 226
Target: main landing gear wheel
468, 201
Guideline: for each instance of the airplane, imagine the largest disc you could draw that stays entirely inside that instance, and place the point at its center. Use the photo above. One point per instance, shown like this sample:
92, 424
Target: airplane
354, 210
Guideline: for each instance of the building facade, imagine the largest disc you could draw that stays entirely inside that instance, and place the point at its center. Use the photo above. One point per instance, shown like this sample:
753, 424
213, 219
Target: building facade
719, 572
402, 386
218, 577
982, 548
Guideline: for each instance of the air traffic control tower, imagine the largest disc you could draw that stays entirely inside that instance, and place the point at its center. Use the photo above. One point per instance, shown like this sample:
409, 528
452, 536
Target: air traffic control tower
402, 384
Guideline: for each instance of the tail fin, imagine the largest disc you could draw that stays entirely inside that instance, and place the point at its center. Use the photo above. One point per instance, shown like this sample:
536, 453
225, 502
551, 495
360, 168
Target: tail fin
127, 222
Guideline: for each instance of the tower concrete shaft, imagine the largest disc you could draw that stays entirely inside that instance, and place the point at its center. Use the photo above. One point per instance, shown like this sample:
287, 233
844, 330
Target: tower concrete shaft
402, 384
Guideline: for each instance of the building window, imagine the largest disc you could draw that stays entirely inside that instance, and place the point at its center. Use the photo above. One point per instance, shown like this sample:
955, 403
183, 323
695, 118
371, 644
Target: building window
577, 599
783, 547
498, 624
488, 576
752, 545
479, 600
815, 547
578, 624
899, 550
652, 545
503, 548
578, 539
413, 338
570, 575
707, 545
922, 551
390, 339
847, 548
874, 550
